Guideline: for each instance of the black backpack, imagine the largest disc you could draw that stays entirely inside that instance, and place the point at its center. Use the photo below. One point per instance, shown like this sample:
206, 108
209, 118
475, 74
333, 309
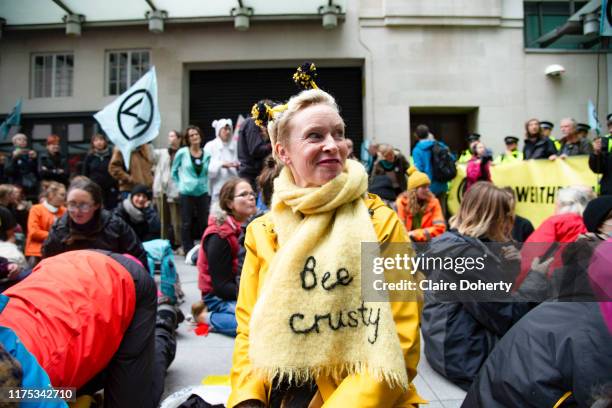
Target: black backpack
442, 163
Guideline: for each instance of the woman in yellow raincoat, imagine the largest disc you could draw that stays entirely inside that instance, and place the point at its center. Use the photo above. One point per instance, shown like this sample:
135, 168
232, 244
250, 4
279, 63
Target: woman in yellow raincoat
306, 336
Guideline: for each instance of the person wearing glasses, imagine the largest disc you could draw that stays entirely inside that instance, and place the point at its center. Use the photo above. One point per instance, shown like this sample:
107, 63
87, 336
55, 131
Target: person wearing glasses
87, 225
218, 256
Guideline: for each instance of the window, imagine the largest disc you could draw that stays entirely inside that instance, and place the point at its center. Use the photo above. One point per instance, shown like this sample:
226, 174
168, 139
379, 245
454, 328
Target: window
542, 17
52, 75
124, 68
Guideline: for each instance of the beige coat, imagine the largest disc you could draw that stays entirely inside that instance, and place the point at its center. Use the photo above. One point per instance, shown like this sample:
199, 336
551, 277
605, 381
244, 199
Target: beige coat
142, 162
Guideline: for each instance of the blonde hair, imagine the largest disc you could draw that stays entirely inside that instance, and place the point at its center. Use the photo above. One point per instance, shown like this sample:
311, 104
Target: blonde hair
413, 202
573, 199
279, 128
486, 211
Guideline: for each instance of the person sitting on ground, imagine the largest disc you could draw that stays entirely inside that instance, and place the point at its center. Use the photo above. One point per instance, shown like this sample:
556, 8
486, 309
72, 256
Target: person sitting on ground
21, 168
563, 227
95, 327
320, 216
86, 225
537, 146
14, 266
419, 210
218, 256
223, 154
52, 165
41, 219
557, 355
479, 166
11, 197
137, 212
522, 228
392, 164
460, 328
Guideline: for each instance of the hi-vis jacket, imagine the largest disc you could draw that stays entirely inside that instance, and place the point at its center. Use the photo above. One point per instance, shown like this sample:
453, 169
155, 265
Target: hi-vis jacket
356, 391
432, 221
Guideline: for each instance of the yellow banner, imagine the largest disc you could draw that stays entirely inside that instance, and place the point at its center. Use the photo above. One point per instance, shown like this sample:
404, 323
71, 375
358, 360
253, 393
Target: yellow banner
535, 183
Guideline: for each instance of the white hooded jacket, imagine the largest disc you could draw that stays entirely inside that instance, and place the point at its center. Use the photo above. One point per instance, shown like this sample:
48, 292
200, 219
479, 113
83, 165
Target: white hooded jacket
220, 152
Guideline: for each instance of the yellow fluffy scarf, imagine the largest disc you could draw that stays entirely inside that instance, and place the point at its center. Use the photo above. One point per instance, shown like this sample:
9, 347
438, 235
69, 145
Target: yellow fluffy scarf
310, 319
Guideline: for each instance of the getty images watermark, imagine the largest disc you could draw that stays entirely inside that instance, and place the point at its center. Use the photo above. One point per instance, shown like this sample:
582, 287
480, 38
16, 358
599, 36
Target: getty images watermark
475, 271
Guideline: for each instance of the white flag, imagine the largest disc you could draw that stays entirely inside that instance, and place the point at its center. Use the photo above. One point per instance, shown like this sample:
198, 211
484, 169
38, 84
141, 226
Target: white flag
133, 118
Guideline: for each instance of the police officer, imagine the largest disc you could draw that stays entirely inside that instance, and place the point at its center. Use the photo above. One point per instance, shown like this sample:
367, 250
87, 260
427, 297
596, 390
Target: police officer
512, 152
582, 129
600, 160
546, 128
466, 155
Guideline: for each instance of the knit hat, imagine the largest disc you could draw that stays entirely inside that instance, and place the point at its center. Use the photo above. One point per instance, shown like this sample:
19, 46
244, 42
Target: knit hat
220, 124
7, 220
416, 179
140, 189
596, 212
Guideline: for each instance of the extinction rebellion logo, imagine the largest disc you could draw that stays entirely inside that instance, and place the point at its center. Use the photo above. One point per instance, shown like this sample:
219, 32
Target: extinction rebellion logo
133, 117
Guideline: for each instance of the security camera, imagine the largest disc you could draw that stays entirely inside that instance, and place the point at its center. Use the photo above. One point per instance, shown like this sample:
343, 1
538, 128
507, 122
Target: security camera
554, 70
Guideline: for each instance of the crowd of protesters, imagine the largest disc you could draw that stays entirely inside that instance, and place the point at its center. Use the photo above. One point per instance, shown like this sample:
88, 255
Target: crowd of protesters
305, 181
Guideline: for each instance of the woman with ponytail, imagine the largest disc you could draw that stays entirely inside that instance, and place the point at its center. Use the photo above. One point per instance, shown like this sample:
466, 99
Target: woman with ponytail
419, 210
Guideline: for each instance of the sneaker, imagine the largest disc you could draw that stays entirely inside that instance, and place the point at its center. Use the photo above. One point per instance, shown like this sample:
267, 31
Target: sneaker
190, 255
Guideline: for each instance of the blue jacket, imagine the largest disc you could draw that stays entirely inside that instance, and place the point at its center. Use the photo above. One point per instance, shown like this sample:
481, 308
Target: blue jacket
34, 377
421, 154
184, 174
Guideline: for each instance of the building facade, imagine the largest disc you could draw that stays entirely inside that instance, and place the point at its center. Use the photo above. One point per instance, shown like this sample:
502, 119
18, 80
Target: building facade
458, 65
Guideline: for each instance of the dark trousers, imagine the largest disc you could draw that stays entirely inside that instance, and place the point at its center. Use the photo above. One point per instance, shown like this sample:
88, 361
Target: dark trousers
194, 218
136, 374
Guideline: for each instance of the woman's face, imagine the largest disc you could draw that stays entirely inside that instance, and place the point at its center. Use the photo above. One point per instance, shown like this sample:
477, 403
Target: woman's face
57, 198
81, 206
194, 137
225, 133
316, 149
99, 143
423, 193
480, 149
243, 205
533, 127
173, 139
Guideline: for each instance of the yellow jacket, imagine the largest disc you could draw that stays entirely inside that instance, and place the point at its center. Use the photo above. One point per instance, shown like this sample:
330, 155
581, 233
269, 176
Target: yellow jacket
357, 391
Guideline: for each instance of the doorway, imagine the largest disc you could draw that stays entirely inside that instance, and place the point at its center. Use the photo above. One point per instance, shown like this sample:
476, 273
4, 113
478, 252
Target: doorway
450, 125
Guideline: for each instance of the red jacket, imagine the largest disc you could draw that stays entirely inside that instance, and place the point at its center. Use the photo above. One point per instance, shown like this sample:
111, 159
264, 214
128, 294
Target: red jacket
229, 230
561, 228
71, 314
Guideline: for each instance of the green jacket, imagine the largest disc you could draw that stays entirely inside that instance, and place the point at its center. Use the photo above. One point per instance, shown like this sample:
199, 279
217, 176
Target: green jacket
184, 175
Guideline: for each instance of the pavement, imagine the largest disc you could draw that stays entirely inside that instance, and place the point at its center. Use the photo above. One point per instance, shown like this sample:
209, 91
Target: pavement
200, 356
